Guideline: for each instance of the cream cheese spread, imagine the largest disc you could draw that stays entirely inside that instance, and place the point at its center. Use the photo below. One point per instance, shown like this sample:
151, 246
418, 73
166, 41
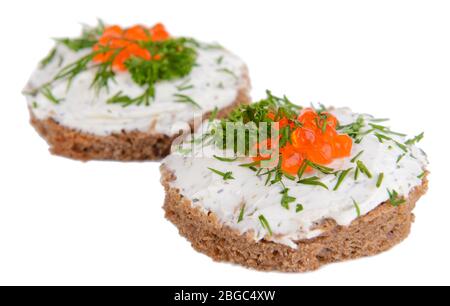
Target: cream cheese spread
214, 81
247, 194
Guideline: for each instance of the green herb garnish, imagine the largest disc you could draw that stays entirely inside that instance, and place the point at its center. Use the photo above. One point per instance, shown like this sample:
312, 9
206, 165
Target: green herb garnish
225, 175
400, 157
224, 159
384, 129
286, 199
323, 169
362, 167
358, 209
302, 169
314, 181
88, 38
380, 180
77, 44
265, 224
213, 115
299, 208
249, 165
379, 120
357, 156
341, 178
125, 101
401, 146
356, 174
353, 129
176, 60
48, 59
415, 140
185, 85
382, 138
186, 99
394, 198
46, 92
228, 71
241, 214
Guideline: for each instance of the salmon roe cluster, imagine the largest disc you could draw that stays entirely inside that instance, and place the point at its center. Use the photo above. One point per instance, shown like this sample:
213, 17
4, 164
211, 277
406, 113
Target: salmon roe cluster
315, 140
121, 44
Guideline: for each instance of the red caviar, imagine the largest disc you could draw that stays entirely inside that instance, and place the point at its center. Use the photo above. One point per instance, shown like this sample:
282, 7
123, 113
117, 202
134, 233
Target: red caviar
121, 44
315, 139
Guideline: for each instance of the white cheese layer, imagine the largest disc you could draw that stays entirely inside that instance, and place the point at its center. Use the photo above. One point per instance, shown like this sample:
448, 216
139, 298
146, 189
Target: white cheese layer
214, 82
226, 199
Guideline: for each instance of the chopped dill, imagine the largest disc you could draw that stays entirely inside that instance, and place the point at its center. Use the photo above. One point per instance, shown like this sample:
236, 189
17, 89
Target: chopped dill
224, 159
241, 214
265, 224
286, 199
341, 178
186, 99
48, 59
362, 167
229, 72
358, 209
225, 175
314, 181
380, 180
415, 140
354, 159
47, 93
394, 198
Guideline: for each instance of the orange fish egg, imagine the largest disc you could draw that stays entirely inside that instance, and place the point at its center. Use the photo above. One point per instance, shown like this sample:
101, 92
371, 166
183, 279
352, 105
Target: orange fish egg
316, 140
303, 138
291, 160
121, 44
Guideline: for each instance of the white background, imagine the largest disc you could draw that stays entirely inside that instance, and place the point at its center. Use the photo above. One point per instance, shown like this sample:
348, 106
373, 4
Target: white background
66, 222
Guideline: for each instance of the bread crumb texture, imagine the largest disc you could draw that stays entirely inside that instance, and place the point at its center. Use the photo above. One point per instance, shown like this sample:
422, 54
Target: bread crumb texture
126, 146
371, 234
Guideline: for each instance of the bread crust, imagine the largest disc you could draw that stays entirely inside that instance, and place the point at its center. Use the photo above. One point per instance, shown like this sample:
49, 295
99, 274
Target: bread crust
124, 146
368, 235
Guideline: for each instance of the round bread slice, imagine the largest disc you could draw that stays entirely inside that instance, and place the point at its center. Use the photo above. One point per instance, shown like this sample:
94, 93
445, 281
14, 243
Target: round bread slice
126, 104
368, 235
123, 146
294, 213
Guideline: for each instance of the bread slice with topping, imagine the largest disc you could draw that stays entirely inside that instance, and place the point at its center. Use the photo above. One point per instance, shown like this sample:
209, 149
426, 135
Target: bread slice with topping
118, 93
343, 186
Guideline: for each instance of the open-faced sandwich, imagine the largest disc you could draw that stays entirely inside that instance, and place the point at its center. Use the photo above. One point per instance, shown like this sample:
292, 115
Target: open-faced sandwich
278, 187
125, 93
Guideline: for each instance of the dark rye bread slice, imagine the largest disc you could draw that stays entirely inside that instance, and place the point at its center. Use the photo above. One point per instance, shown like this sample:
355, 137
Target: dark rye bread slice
125, 146
368, 235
